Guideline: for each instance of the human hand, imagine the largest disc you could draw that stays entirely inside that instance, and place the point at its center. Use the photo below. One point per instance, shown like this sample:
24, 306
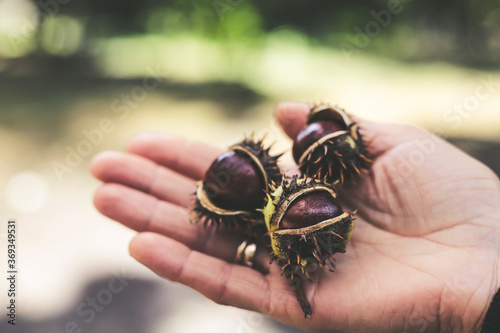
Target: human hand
423, 255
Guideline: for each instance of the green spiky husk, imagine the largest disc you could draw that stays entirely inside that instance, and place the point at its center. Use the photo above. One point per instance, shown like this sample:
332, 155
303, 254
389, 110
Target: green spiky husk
336, 160
301, 251
268, 162
306, 250
337, 157
207, 217
298, 250
251, 221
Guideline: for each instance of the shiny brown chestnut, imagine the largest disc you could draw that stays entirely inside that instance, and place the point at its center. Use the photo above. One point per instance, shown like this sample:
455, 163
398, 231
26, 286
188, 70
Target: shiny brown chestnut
233, 188
307, 226
330, 146
234, 181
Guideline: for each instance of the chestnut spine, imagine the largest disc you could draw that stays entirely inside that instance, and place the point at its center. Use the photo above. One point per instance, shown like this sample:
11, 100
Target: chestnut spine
305, 223
338, 153
298, 250
218, 206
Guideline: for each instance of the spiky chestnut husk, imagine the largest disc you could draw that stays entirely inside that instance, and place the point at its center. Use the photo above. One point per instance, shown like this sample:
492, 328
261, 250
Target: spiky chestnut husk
234, 186
307, 226
330, 147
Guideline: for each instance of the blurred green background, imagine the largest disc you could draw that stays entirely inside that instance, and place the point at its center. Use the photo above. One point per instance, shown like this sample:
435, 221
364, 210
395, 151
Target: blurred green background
211, 71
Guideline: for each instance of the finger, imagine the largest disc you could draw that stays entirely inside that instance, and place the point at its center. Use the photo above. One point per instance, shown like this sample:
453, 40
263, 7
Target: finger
292, 117
143, 174
218, 280
186, 157
381, 138
143, 212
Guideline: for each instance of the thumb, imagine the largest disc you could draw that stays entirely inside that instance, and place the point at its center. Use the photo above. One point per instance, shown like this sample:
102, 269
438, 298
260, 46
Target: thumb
292, 117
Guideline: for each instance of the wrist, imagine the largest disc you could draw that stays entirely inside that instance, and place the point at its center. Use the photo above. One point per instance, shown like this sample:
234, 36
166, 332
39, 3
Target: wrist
470, 316
485, 301
473, 293
489, 320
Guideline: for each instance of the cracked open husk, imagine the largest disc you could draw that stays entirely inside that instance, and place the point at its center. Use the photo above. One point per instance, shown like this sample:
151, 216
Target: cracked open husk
331, 147
307, 227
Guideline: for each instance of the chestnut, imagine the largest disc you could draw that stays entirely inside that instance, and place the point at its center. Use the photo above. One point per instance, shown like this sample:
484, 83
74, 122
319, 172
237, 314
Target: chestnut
330, 146
235, 185
235, 182
307, 226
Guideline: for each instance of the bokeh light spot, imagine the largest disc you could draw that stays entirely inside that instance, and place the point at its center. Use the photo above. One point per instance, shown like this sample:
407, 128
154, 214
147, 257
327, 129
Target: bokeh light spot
61, 35
27, 192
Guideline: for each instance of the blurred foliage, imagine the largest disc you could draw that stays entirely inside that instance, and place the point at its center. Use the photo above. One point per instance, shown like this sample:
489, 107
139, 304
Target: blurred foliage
460, 31
51, 106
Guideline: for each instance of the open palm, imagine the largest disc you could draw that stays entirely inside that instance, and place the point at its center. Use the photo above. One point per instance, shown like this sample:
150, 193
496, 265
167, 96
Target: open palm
423, 255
